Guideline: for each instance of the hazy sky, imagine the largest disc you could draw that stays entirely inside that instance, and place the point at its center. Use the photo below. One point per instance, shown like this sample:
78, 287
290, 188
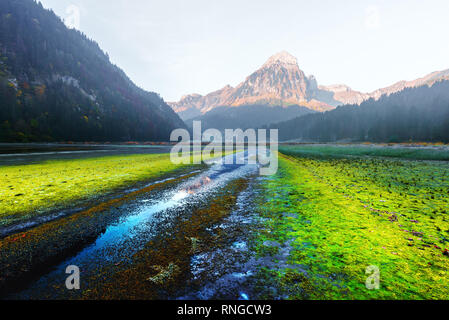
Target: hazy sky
177, 47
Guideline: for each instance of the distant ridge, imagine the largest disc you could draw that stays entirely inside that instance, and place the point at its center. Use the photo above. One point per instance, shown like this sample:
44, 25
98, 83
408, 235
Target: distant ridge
415, 114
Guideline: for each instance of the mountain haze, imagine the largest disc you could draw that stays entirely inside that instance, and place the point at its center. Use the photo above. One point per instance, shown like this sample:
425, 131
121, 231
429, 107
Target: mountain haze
413, 114
56, 84
279, 82
427, 80
247, 116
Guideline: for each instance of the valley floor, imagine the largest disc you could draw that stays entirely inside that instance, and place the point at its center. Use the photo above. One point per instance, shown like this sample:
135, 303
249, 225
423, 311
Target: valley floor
34, 190
308, 232
338, 216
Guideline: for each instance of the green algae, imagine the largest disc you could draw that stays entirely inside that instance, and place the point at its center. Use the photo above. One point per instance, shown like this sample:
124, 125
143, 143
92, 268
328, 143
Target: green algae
343, 215
161, 270
417, 152
28, 191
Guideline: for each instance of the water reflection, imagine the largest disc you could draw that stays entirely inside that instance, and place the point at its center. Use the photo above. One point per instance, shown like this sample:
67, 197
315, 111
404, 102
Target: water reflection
127, 236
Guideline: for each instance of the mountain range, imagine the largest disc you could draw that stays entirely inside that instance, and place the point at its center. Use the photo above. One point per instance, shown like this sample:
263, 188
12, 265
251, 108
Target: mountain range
56, 85
413, 114
281, 83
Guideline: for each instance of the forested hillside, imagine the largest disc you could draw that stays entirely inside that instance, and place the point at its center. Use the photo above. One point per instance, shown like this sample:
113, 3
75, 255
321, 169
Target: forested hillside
414, 114
244, 117
56, 84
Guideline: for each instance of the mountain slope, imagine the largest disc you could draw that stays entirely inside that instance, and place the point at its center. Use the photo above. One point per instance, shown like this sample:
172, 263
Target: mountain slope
342, 94
428, 80
278, 82
248, 116
414, 114
55, 84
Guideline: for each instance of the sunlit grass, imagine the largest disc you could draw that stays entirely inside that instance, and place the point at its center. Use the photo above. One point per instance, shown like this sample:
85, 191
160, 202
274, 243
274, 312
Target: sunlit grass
323, 151
30, 190
344, 215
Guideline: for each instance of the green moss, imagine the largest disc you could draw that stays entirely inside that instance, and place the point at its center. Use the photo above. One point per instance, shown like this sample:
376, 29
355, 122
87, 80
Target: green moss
30, 190
354, 213
333, 151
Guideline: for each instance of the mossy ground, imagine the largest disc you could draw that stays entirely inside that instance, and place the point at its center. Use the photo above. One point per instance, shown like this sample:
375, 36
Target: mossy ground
162, 268
343, 215
27, 191
28, 253
30, 190
416, 152
325, 219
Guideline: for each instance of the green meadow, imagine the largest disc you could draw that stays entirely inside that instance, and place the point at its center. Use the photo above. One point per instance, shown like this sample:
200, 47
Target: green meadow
436, 152
27, 191
338, 215
328, 214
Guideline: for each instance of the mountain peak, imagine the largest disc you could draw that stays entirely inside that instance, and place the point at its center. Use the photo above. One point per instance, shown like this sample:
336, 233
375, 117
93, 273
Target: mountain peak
282, 57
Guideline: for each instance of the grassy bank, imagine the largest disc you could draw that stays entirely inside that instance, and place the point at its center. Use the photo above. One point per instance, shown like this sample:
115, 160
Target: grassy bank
331, 151
26, 253
336, 217
27, 191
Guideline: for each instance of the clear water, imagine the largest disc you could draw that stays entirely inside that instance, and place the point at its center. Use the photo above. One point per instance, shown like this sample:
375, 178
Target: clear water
122, 239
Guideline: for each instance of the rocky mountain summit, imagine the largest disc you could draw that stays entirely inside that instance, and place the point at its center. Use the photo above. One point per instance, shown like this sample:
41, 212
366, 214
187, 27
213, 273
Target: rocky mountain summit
279, 82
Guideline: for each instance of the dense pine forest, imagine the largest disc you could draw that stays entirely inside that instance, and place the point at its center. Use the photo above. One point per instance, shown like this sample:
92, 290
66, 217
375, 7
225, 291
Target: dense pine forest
248, 116
414, 114
56, 84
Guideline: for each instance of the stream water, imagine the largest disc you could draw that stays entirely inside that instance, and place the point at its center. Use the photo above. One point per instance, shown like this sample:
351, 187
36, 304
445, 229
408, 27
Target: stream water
136, 227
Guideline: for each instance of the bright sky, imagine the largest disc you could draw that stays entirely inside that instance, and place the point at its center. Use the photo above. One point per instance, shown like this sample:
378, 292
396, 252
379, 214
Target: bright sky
177, 47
